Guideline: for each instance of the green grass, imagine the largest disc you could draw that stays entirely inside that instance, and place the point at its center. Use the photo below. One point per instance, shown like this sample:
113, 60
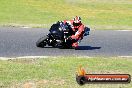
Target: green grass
104, 14
60, 72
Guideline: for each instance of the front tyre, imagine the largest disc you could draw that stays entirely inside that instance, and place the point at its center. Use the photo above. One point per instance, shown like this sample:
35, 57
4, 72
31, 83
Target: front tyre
42, 42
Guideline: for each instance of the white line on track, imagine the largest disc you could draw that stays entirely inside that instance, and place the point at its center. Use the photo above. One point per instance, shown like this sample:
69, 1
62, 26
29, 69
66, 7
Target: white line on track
125, 56
38, 57
84, 57
124, 30
25, 27
24, 57
32, 57
42, 57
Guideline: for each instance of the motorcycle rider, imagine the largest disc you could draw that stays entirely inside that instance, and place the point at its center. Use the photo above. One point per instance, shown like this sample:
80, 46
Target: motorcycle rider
78, 29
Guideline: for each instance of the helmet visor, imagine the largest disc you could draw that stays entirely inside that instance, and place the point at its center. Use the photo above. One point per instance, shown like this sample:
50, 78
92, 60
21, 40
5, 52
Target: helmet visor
76, 24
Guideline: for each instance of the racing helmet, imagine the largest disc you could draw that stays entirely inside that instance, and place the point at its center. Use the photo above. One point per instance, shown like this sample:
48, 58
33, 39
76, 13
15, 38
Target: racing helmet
77, 21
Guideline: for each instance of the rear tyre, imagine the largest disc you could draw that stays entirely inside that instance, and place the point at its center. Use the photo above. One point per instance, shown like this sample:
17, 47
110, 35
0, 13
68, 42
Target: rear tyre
41, 42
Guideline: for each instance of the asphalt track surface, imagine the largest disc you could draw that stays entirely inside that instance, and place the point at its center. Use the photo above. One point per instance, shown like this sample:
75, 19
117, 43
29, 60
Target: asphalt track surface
17, 42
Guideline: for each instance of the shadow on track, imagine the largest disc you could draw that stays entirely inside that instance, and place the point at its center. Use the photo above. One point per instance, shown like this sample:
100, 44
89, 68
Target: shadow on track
79, 48
87, 48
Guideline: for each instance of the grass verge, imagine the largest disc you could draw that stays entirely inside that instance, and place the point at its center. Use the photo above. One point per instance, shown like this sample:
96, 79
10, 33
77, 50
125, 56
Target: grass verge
60, 72
107, 14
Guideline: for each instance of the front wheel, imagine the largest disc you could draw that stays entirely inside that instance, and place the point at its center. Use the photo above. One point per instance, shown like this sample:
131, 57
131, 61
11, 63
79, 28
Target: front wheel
41, 42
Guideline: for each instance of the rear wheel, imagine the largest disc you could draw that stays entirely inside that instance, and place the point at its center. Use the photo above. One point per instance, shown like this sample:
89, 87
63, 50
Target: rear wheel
41, 42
